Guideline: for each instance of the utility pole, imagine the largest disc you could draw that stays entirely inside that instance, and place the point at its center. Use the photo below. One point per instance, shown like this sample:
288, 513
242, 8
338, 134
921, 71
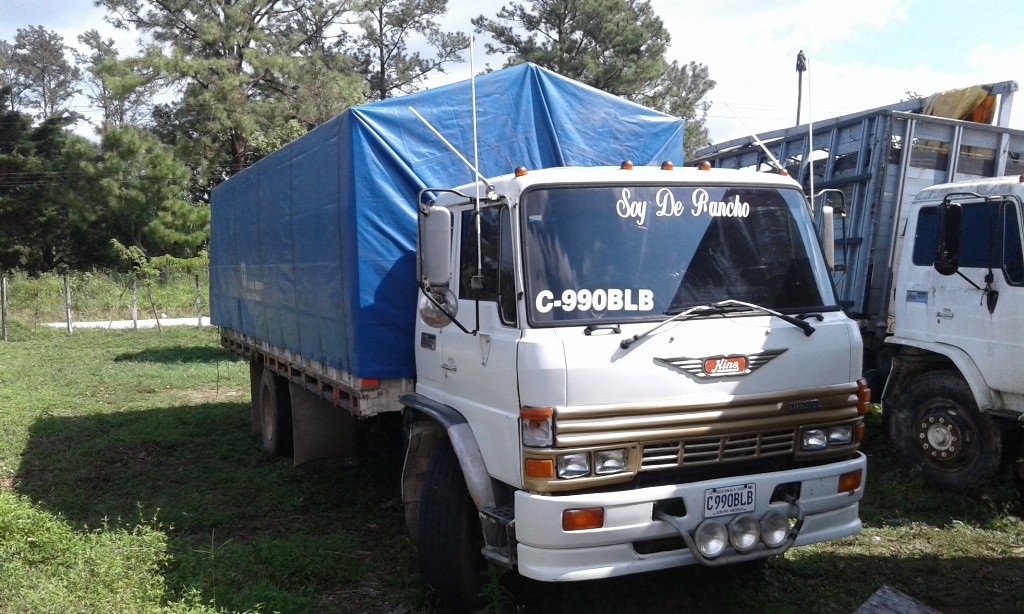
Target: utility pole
801, 66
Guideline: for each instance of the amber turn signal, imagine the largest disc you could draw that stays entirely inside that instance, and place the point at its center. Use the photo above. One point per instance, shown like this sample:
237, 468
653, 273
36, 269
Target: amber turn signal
579, 520
537, 414
863, 397
539, 468
849, 482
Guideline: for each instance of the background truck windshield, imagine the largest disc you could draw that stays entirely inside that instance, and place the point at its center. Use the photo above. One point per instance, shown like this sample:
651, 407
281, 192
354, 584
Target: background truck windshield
635, 252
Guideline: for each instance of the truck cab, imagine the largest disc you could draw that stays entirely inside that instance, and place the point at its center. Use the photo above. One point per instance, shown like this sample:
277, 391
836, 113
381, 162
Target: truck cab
627, 369
954, 401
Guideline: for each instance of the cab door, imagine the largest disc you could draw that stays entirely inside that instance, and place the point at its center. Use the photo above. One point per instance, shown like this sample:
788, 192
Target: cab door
480, 367
987, 323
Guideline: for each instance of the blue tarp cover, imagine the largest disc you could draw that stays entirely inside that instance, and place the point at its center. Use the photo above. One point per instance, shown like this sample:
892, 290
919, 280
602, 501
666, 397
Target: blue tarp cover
312, 248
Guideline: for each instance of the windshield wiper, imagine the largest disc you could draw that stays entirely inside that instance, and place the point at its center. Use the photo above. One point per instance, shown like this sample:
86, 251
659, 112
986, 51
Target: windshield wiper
720, 307
710, 308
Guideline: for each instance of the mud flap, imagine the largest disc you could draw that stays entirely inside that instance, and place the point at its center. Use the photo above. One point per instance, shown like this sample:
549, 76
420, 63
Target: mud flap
323, 435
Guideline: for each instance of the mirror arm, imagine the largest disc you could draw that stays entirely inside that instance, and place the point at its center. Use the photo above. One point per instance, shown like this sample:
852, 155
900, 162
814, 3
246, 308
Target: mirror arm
968, 280
430, 297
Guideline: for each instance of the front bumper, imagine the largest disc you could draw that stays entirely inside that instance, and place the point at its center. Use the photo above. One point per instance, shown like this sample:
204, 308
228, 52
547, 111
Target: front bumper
546, 552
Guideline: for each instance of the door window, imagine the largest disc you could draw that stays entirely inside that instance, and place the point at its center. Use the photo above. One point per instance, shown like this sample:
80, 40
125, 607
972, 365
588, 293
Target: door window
982, 245
496, 266
1013, 255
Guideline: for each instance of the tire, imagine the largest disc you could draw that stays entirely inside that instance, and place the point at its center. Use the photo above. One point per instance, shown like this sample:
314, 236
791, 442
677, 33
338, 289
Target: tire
938, 426
255, 383
449, 541
276, 411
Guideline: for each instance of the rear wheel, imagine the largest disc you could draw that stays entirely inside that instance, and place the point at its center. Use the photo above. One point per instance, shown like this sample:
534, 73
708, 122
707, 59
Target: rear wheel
276, 411
450, 540
938, 426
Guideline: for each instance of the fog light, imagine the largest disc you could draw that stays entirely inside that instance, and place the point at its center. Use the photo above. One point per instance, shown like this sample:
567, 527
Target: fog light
774, 528
840, 435
573, 465
711, 537
814, 439
609, 461
743, 532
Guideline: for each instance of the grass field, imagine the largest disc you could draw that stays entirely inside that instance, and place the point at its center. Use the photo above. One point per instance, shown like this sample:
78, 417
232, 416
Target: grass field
129, 482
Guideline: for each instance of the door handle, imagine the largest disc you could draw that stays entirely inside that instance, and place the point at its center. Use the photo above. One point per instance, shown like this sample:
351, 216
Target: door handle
448, 367
945, 314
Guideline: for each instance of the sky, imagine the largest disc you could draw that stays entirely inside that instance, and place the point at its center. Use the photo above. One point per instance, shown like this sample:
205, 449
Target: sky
861, 54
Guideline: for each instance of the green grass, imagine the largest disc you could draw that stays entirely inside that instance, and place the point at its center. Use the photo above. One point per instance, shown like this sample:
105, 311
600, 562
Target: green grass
130, 482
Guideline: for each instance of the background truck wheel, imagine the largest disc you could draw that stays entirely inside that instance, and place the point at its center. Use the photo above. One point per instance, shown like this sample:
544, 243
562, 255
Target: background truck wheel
452, 569
938, 426
275, 408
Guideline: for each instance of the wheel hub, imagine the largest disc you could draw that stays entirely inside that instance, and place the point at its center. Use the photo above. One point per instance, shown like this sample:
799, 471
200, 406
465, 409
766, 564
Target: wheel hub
939, 436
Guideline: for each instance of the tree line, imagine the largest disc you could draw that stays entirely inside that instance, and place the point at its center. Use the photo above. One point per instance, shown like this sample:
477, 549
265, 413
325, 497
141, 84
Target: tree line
214, 85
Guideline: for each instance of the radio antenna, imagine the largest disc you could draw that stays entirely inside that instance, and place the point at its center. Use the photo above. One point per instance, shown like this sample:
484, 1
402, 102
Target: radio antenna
490, 188
758, 141
810, 137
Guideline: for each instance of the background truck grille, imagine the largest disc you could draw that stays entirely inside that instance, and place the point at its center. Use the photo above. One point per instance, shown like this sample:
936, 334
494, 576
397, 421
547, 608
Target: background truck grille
699, 451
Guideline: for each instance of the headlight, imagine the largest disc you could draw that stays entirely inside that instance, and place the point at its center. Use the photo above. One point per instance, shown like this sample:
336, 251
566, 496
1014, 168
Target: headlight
814, 439
822, 438
610, 461
573, 465
840, 435
711, 537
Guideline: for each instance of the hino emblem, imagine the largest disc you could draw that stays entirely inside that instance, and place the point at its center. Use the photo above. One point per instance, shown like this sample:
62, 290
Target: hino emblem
721, 366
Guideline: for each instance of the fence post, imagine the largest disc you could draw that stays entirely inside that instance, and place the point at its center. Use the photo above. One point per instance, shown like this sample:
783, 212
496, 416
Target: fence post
199, 305
3, 306
135, 305
67, 300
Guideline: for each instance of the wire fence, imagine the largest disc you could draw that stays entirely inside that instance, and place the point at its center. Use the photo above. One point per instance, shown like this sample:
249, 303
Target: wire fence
81, 297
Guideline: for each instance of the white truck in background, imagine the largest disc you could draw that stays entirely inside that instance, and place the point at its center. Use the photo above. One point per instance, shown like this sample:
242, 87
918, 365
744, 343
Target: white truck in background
954, 400
599, 369
942, 333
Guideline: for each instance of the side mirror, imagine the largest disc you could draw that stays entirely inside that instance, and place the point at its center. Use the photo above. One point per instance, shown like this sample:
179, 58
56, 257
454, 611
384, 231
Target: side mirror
948, 256
435, 247
828, 236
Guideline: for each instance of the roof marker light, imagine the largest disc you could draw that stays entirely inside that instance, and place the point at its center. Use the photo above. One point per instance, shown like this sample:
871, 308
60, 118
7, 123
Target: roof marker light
667, 165
520, 171
627, 165
705, 166
784, 172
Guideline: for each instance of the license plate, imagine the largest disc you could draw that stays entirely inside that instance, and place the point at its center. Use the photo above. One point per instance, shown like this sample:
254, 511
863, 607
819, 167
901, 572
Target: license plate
728, 500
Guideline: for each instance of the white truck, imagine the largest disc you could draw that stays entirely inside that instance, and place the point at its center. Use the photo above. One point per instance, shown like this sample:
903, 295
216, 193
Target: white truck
617, 368
943, 347
954, 400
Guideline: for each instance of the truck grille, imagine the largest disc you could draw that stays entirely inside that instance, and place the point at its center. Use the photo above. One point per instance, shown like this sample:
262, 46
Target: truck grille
704, 450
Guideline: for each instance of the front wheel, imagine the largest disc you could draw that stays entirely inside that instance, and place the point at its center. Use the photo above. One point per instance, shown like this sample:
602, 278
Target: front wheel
450, 539
938, 426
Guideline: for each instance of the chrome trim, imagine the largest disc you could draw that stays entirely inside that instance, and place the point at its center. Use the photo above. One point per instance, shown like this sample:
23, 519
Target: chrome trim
740, 416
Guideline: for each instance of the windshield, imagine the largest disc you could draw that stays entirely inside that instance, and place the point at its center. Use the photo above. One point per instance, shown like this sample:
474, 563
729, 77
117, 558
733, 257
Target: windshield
637, 252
